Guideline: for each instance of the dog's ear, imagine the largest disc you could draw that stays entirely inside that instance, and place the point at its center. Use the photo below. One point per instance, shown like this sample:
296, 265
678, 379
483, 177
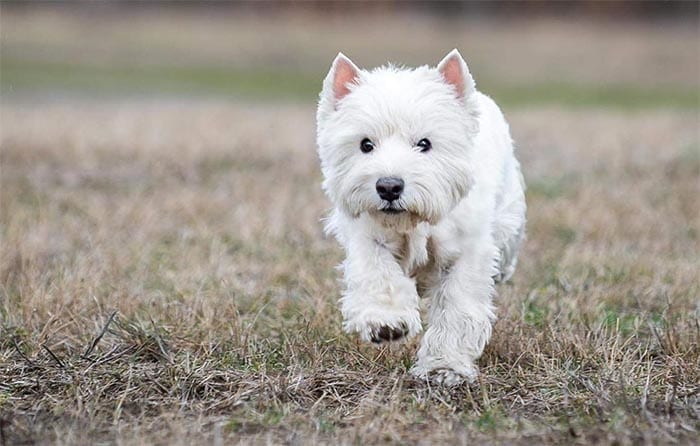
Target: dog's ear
342, 73
455, 72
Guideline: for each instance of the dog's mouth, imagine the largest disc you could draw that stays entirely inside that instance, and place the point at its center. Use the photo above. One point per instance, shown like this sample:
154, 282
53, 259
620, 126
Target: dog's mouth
392, 210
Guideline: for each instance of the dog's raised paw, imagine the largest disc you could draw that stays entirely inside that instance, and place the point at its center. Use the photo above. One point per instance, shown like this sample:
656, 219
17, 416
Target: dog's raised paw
386, 333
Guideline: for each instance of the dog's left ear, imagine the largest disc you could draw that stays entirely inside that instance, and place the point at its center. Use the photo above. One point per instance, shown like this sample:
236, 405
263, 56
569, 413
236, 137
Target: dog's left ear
454, 70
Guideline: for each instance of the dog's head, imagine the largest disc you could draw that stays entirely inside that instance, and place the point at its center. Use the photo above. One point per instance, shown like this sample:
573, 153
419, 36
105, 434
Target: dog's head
396, 143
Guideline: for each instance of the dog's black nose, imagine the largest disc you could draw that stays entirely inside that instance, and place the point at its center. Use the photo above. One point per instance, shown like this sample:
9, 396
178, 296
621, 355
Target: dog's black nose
389, 188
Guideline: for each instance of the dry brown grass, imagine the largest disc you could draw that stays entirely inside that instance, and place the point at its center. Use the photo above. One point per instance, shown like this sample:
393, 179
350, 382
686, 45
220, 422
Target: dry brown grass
198, 224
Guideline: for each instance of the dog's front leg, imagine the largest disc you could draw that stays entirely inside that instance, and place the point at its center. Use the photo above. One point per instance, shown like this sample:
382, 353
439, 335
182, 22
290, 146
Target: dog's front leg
380, 302
459, 319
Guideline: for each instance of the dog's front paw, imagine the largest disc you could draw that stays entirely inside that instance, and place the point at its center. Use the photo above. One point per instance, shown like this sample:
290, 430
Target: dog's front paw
379, 324
386, 333
382, 312
442, 374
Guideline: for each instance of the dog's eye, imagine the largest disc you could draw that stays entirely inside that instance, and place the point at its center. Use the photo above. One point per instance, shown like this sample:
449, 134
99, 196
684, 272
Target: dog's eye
424, 145
366, 145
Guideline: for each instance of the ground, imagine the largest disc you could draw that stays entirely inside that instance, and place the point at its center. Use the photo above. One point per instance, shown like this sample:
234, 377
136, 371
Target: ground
164, 277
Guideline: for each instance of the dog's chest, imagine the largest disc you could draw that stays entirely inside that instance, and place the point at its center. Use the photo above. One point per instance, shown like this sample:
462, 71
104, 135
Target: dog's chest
414, 251
424, 254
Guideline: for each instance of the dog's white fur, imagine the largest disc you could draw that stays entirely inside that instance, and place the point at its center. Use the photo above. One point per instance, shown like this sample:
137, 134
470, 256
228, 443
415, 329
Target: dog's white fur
463, 199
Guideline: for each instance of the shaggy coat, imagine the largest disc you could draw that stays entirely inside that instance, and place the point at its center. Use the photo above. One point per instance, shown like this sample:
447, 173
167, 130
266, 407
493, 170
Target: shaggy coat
457, 225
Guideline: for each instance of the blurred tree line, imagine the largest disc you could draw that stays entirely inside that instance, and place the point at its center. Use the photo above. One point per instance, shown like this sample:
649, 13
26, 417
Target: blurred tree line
650, 9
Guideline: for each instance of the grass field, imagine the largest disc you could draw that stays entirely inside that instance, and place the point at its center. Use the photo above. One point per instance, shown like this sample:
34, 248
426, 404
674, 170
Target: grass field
152, 291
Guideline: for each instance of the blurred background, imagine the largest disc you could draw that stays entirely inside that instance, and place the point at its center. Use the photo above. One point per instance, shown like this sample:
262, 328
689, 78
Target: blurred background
621, 54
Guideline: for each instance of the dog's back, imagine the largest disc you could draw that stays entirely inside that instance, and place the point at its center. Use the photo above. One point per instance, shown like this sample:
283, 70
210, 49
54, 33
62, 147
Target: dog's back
499, 183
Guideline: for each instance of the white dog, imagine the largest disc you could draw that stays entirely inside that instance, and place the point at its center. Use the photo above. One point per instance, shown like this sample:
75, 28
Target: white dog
429, 201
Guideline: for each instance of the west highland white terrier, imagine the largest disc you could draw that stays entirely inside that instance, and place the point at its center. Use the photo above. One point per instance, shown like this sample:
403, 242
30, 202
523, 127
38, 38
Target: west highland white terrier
429, 201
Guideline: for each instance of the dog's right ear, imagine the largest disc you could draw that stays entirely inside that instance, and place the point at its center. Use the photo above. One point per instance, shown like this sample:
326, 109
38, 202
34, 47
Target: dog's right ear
342, 73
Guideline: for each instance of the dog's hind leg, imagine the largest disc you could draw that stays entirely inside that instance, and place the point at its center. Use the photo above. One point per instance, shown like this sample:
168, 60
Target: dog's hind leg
509, 225
508, 255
